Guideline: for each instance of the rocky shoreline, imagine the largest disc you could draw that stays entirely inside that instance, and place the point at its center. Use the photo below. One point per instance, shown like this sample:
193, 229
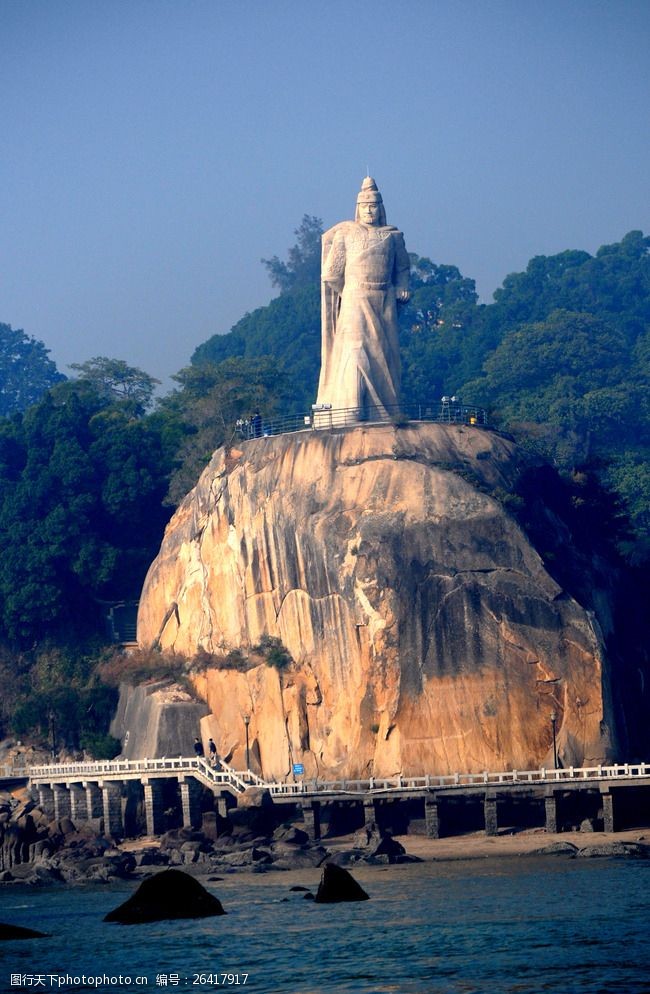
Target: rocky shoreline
37, 851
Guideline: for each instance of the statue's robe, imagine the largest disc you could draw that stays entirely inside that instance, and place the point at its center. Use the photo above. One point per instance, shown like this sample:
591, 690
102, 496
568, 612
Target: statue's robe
362, 268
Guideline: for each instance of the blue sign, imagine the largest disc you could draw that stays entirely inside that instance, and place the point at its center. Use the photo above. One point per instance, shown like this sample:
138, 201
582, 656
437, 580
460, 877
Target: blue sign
298, 768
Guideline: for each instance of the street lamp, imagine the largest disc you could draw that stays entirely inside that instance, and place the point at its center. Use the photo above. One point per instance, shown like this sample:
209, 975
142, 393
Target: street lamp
553, 717
247, 721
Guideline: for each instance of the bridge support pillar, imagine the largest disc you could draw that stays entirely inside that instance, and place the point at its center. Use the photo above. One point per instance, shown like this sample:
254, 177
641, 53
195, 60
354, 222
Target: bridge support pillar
370, 813
191, 791
46, 799
154, 808
490, 811
94, 800
431, 818
222, 806
112, 800
78, 805
608, 812
550, 810
311, 816
61, 801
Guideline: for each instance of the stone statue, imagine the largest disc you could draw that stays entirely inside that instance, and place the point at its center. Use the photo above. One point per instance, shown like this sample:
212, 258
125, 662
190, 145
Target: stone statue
365, 271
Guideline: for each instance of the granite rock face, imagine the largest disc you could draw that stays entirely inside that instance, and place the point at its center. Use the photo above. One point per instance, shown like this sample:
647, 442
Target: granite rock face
157, 719
426, 634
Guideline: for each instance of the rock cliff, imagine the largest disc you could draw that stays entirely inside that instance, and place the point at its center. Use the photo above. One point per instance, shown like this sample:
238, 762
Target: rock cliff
425, 632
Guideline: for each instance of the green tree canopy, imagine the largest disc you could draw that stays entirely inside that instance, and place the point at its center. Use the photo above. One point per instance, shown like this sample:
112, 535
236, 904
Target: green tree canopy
303, 262
114, 380
81, 488
210, 399
26, 371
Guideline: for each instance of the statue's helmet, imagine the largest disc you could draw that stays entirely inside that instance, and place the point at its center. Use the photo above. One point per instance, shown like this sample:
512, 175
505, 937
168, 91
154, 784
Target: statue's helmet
369, 194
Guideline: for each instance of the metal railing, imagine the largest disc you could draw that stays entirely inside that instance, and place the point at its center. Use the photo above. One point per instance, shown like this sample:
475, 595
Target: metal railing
323, 417
238, 780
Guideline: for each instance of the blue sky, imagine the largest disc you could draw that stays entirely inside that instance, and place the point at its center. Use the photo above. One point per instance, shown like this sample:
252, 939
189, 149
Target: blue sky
155, 150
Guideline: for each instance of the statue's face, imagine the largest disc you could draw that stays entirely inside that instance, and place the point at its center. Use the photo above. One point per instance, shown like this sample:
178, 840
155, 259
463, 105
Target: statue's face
369, 213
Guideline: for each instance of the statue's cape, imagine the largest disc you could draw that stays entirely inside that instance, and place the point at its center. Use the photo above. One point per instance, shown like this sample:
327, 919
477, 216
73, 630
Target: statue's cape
330, 305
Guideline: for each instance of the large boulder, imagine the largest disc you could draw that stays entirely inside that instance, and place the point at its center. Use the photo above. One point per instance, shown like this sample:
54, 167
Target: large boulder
426, 633
158, 718
168, 895
338, 885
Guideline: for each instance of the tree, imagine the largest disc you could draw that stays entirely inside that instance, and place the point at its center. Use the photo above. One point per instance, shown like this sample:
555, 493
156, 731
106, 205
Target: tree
440, 340
114, 380
289, 330
616, 283
210, 400
26, 372
81, 488
303, 264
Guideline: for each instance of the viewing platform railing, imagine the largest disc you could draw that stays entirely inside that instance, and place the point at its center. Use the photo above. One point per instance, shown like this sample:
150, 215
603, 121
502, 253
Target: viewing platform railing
322, 417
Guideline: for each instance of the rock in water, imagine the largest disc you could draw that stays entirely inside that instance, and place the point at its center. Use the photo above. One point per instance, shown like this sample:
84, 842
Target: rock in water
167, 895
338, 885
422, 622
18, 932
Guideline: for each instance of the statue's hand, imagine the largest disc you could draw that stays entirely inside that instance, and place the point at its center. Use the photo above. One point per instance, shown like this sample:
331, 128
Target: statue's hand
403, 296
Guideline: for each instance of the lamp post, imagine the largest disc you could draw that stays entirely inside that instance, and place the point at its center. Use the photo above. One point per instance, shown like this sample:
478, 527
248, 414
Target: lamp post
553, 717
247, 721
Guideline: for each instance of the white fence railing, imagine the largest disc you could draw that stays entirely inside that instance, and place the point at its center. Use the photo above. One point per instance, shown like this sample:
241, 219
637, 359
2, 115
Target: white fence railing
225, 776
134, 769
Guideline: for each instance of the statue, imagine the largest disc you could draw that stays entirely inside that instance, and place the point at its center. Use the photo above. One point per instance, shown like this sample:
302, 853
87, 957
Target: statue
365, 271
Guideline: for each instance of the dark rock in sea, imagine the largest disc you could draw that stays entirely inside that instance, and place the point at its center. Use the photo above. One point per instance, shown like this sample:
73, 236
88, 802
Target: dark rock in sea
168, 895
298, 887
8, 932
338, 885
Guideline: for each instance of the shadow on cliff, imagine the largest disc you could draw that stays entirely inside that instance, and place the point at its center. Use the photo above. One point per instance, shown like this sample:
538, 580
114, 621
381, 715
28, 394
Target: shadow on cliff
578, 528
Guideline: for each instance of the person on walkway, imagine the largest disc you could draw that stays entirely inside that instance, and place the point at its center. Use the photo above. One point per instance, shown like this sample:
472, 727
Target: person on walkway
212, 749
198, 747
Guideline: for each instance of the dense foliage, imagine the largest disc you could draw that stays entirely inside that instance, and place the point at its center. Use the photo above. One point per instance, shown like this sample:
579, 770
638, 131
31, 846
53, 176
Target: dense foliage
81, 487
26, 371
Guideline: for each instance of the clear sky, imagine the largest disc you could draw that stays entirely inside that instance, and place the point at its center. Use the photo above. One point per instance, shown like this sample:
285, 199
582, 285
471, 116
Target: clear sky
153, 151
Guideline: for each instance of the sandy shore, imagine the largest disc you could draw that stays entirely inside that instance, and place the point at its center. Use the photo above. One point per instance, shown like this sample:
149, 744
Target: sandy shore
472, 845
477, 845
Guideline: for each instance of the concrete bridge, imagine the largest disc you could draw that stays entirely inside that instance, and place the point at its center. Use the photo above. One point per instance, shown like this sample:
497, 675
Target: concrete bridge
554, 799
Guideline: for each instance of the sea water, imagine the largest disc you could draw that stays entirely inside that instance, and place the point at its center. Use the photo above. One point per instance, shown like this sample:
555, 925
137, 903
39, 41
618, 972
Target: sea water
499, 926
